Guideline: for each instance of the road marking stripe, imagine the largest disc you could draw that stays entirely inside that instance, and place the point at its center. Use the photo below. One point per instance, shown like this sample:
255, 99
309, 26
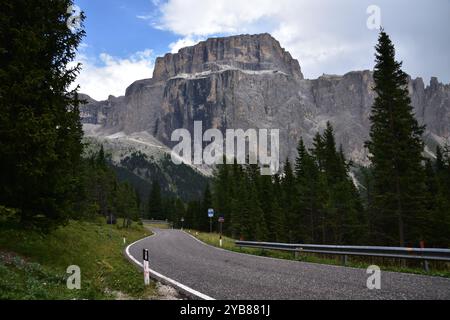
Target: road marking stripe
169, 280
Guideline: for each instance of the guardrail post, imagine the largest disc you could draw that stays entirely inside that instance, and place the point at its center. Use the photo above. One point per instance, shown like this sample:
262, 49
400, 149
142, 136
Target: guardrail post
296, 254
426, 266
425, 262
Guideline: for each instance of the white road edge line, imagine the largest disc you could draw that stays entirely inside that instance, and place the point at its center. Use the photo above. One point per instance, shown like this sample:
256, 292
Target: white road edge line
171, 281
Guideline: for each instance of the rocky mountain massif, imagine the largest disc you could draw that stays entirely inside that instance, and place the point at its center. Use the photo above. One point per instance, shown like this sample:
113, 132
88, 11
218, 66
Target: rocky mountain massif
250, 81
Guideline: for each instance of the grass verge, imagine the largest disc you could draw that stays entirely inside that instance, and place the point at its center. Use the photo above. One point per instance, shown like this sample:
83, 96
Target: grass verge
439, 269
33, 266
157, 225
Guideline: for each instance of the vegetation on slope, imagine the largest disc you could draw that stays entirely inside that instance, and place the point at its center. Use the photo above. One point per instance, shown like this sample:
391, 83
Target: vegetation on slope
33, 265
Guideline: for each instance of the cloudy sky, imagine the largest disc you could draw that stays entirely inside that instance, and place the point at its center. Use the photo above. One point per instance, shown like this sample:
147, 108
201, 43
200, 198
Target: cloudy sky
326, 36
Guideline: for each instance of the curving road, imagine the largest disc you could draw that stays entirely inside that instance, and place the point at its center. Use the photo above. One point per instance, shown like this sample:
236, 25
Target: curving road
226, 275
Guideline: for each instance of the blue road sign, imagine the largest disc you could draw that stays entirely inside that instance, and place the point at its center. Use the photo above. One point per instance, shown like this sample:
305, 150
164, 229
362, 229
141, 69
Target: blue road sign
210, 213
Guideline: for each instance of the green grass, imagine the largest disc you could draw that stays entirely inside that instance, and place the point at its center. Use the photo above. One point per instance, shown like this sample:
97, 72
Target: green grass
33, 266
436, 268
157, 225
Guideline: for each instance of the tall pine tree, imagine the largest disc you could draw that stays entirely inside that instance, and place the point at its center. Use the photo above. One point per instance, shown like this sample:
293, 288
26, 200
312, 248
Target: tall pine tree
40, 130
396, 153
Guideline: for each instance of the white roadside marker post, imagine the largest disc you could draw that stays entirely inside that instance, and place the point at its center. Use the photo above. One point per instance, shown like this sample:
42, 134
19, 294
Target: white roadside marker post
221, 221
146, 268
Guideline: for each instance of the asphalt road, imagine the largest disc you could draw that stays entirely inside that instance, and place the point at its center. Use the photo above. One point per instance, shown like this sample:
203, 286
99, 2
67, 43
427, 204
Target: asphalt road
227, 275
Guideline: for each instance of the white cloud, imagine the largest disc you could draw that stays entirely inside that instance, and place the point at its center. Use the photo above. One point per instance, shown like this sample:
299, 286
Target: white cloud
107, 75
145, 17
202, 18
317, 33
326, 36
184, 42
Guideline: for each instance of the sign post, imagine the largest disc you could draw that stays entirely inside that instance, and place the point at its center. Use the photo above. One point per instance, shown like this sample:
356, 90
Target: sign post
221, 221
210, 215
146, 268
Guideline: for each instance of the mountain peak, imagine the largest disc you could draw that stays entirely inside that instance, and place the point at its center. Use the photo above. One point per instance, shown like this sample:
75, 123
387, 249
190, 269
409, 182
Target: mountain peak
258, 52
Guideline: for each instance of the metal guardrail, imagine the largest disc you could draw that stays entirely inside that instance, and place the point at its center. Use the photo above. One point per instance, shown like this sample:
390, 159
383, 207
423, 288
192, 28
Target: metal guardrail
345, 251
156, 222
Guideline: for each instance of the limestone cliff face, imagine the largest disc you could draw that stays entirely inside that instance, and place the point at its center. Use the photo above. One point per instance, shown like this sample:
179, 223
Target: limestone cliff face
244, 82
247, 52
434, 107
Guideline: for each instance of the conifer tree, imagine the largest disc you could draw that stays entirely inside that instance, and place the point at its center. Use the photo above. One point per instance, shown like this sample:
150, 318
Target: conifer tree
222, 197
179, 213
288, 188
40, 129
438, 192
344, 207
310, 195
206, 204
281, 226
440, 161
395, 148
255, 224
155, 207
267, 201
238, 194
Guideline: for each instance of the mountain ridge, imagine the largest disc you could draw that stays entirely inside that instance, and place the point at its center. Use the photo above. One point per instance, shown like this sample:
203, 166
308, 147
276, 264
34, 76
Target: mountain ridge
250, 81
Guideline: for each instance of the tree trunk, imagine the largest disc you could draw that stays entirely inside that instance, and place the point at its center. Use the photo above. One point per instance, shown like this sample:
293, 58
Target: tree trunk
401, 232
